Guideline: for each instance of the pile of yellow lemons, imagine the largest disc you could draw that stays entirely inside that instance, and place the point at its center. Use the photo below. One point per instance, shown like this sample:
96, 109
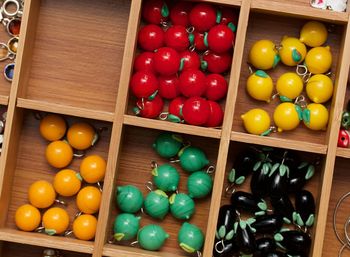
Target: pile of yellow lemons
312, 61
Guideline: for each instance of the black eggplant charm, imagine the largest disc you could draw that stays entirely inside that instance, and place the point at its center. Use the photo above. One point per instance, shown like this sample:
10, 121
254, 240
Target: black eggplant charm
300, 176
282, 206
247, 202
245, 236
295, 242
264, 245
304, 214
279, 175
225, 248
268, 224
242, 166
259, 183
226, 220
276, 254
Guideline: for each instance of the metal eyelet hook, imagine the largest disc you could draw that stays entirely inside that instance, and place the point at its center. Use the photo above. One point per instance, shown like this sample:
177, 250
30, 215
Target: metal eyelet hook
230, 190
301, 101
210, 170
149, 186
301, 70
7, 12
221, 242
346, 243
199, 254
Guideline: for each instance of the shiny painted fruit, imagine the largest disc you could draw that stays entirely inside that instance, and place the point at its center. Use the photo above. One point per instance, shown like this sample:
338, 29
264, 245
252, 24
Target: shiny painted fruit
89, 199
81, 136
263, 55
126, 226
192, 83
169, 86
59, 154
216, 63
150, 37
55, 221
166, 61
189, 60
177, 38
256, 121
203, 17
318, 60
220, 38
143, 84
319, 88
41, 194
155, 11
52, 127
292, 51
151, 237
216, 115
216, 87
167, 145
176, 105
84, 227
67, 182
260, 86
286, 117
144, 62
27, 217
313, 34
190, 238
198, 42
93, 168
149, 108
129, 198
196, 111
179, 13
289, 86
228, 15
318, 117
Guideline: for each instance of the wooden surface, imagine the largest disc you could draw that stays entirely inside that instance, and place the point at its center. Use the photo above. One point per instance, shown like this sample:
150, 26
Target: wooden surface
75, 59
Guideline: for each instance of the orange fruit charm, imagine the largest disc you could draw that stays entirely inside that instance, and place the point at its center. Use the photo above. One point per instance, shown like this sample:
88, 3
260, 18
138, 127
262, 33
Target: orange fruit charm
59, 154
41, 194
89, 199
81, 136
84, 227
55, 221
93, 168
52, 127
67, 182
27, 217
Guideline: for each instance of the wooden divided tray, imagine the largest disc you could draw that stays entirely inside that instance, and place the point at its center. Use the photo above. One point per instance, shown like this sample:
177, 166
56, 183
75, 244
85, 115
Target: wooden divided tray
75, 58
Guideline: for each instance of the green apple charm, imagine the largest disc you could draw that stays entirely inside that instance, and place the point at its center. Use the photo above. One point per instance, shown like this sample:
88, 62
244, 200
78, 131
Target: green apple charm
157, 204
129, 199
166, 177
152, 237
126, 226
199, 184
192, 159
181, 206
190, 238
168, 145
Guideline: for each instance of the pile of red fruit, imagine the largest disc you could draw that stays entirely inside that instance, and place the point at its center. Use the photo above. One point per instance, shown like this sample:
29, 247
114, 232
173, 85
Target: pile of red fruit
186, 48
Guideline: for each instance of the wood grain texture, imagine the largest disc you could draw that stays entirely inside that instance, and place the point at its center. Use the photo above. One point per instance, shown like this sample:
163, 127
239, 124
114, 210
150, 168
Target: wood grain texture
274, 28
5, 86
4, 100
83, 42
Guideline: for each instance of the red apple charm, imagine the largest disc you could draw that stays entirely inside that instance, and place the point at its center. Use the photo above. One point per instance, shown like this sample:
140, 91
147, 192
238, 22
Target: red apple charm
216, 115
155, 11
177, 37
144, 62
216, 63
203, 17
228, 16
189, 60
192, 83
179, 13
220, 38
144, 84
198, 42
166, 61
150, 37
149, 108
176, 105
343, 138
168, 86
216, 87
196, 111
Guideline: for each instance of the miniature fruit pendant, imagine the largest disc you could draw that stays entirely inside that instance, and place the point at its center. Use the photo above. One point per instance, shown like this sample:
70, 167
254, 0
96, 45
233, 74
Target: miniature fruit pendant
260, 86
129, 199
296, 242
126, 226
149, 108
84, 227
315, 116
27, 217
287, 116
41, 194
93, 168
81, 136
192, 159
313, 34
263, 55
151, 237
157, 204
59, 154
55, 221
304, 214
318, 60
196, 111
67, 182
52, 127
181, 206
319, 88
166, 177
289, 86
155, 11
292, 51
256, 121
199, 184
167, 145
343, 138
190, 238
88, 200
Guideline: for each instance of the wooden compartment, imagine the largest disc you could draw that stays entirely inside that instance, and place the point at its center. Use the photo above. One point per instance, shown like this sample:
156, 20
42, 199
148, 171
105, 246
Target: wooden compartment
344, 152
134, 168
274, 28
5, 86
29, 165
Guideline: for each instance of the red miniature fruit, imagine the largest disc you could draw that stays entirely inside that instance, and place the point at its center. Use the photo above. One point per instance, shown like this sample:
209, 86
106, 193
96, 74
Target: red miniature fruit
203, 17
220, 38
166, 61
216, 87
196, 111
155, 11
216, 115
144, 62
192, 83
177, 37
144, 84
150, 37
149, 108
189, 60
343, 138
216, 63
169, 87
228, 16
176, 105
179, 13
198, 41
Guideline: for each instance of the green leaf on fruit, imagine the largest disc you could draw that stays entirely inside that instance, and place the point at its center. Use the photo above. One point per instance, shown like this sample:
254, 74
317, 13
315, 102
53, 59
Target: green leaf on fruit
261, 73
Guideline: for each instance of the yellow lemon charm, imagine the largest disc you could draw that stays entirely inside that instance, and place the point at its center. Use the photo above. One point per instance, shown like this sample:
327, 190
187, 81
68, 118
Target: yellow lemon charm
292, 51
313, 34
318, 60
287, 116
263, 55
319, 88
260, 86
256, 121
289, 86
315, 116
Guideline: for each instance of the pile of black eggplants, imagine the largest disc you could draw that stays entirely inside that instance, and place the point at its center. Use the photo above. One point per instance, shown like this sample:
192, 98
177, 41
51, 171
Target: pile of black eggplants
277, 176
